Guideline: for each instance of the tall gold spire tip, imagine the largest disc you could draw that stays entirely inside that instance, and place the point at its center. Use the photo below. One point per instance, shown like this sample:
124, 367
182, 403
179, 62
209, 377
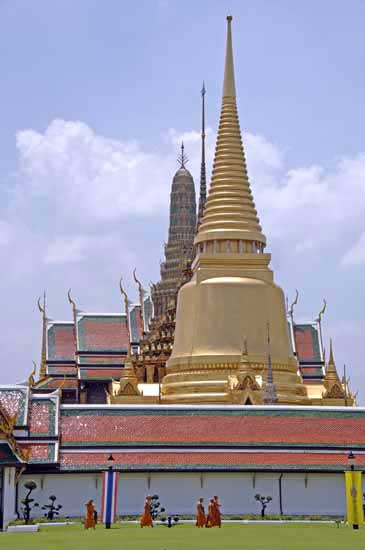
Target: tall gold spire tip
229, 88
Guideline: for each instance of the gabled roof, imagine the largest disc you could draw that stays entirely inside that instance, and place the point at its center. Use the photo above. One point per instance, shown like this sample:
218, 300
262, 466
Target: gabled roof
100, 373
43, 416
60, 342
136, 323
307, 343
62, 370
102, 333
41, 452
51, 383
14, 401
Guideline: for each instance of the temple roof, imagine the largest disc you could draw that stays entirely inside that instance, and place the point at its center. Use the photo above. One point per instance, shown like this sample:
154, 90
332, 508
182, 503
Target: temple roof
207, 460
60, 342
307, 343
102, 332
100, 373
190, 438
14, 401
244, 427
136, 324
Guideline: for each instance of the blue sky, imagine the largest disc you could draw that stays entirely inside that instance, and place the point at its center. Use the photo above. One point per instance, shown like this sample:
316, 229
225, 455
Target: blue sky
95, 97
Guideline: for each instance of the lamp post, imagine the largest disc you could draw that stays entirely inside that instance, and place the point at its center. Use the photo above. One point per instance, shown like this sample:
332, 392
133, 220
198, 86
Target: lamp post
352, 461
110, 461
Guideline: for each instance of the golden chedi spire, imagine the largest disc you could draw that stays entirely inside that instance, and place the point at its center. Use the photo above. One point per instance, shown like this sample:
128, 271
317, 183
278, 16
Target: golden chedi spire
230, 211
128, 384
332, 381
231, 291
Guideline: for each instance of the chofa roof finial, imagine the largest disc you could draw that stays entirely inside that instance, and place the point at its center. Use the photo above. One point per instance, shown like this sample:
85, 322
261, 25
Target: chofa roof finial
142, 294
294, 303
126, 306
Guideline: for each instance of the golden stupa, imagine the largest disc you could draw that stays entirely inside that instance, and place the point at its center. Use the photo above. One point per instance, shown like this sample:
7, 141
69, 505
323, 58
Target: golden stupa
232, 298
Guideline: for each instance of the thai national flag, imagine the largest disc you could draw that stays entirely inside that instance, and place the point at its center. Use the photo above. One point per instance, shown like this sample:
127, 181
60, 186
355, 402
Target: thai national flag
109, 498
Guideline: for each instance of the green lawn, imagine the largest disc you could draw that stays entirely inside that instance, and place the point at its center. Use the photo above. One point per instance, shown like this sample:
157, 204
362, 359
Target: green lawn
186, 537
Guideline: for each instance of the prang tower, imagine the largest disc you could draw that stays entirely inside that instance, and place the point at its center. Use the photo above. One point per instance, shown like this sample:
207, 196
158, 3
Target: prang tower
182, 230
232, 298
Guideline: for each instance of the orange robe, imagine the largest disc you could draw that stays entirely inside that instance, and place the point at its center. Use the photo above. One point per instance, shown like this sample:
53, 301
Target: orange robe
146, 519
201, 520
217, 514
90, 518
210, 516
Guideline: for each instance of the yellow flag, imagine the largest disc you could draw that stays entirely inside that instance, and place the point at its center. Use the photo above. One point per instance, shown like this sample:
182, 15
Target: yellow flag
355, 514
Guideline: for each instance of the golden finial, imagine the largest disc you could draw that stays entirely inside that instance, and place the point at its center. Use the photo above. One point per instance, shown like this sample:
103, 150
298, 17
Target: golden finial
142, 293
320, 314
42, 308
72, 302
294, 303
74, 314
31, 379
319, 320
126, 305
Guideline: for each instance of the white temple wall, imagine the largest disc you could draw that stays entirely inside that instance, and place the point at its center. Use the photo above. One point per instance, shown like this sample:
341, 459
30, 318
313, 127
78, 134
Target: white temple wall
8, 495
307, 494
314, 494
71, 490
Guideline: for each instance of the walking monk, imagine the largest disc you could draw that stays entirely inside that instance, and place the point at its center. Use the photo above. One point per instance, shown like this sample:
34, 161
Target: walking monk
201, 520
146, 518
90, 517
210, 516
217, 512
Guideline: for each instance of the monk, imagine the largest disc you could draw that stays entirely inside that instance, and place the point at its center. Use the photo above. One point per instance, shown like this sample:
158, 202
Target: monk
210, 516
201, 520
217, 512
90, 515
146, 518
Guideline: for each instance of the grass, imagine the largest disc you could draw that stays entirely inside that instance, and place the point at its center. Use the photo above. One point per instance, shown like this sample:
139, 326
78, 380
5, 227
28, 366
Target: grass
187, 537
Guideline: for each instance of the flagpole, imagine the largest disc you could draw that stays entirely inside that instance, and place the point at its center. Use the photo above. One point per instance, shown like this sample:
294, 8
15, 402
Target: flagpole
110, 470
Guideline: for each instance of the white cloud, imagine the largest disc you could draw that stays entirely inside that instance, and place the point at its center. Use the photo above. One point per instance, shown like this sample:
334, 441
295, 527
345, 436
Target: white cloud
5, 233
66, 250
92, 176
356, 255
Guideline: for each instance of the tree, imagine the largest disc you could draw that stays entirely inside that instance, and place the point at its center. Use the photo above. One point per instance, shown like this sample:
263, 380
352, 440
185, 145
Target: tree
264, 501
158, 512
53, 509
28, 502
156, 508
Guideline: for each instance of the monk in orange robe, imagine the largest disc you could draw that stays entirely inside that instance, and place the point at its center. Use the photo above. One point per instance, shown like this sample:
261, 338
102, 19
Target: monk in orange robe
146, 518
201, 520
211, 512
90, 515
217, 512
